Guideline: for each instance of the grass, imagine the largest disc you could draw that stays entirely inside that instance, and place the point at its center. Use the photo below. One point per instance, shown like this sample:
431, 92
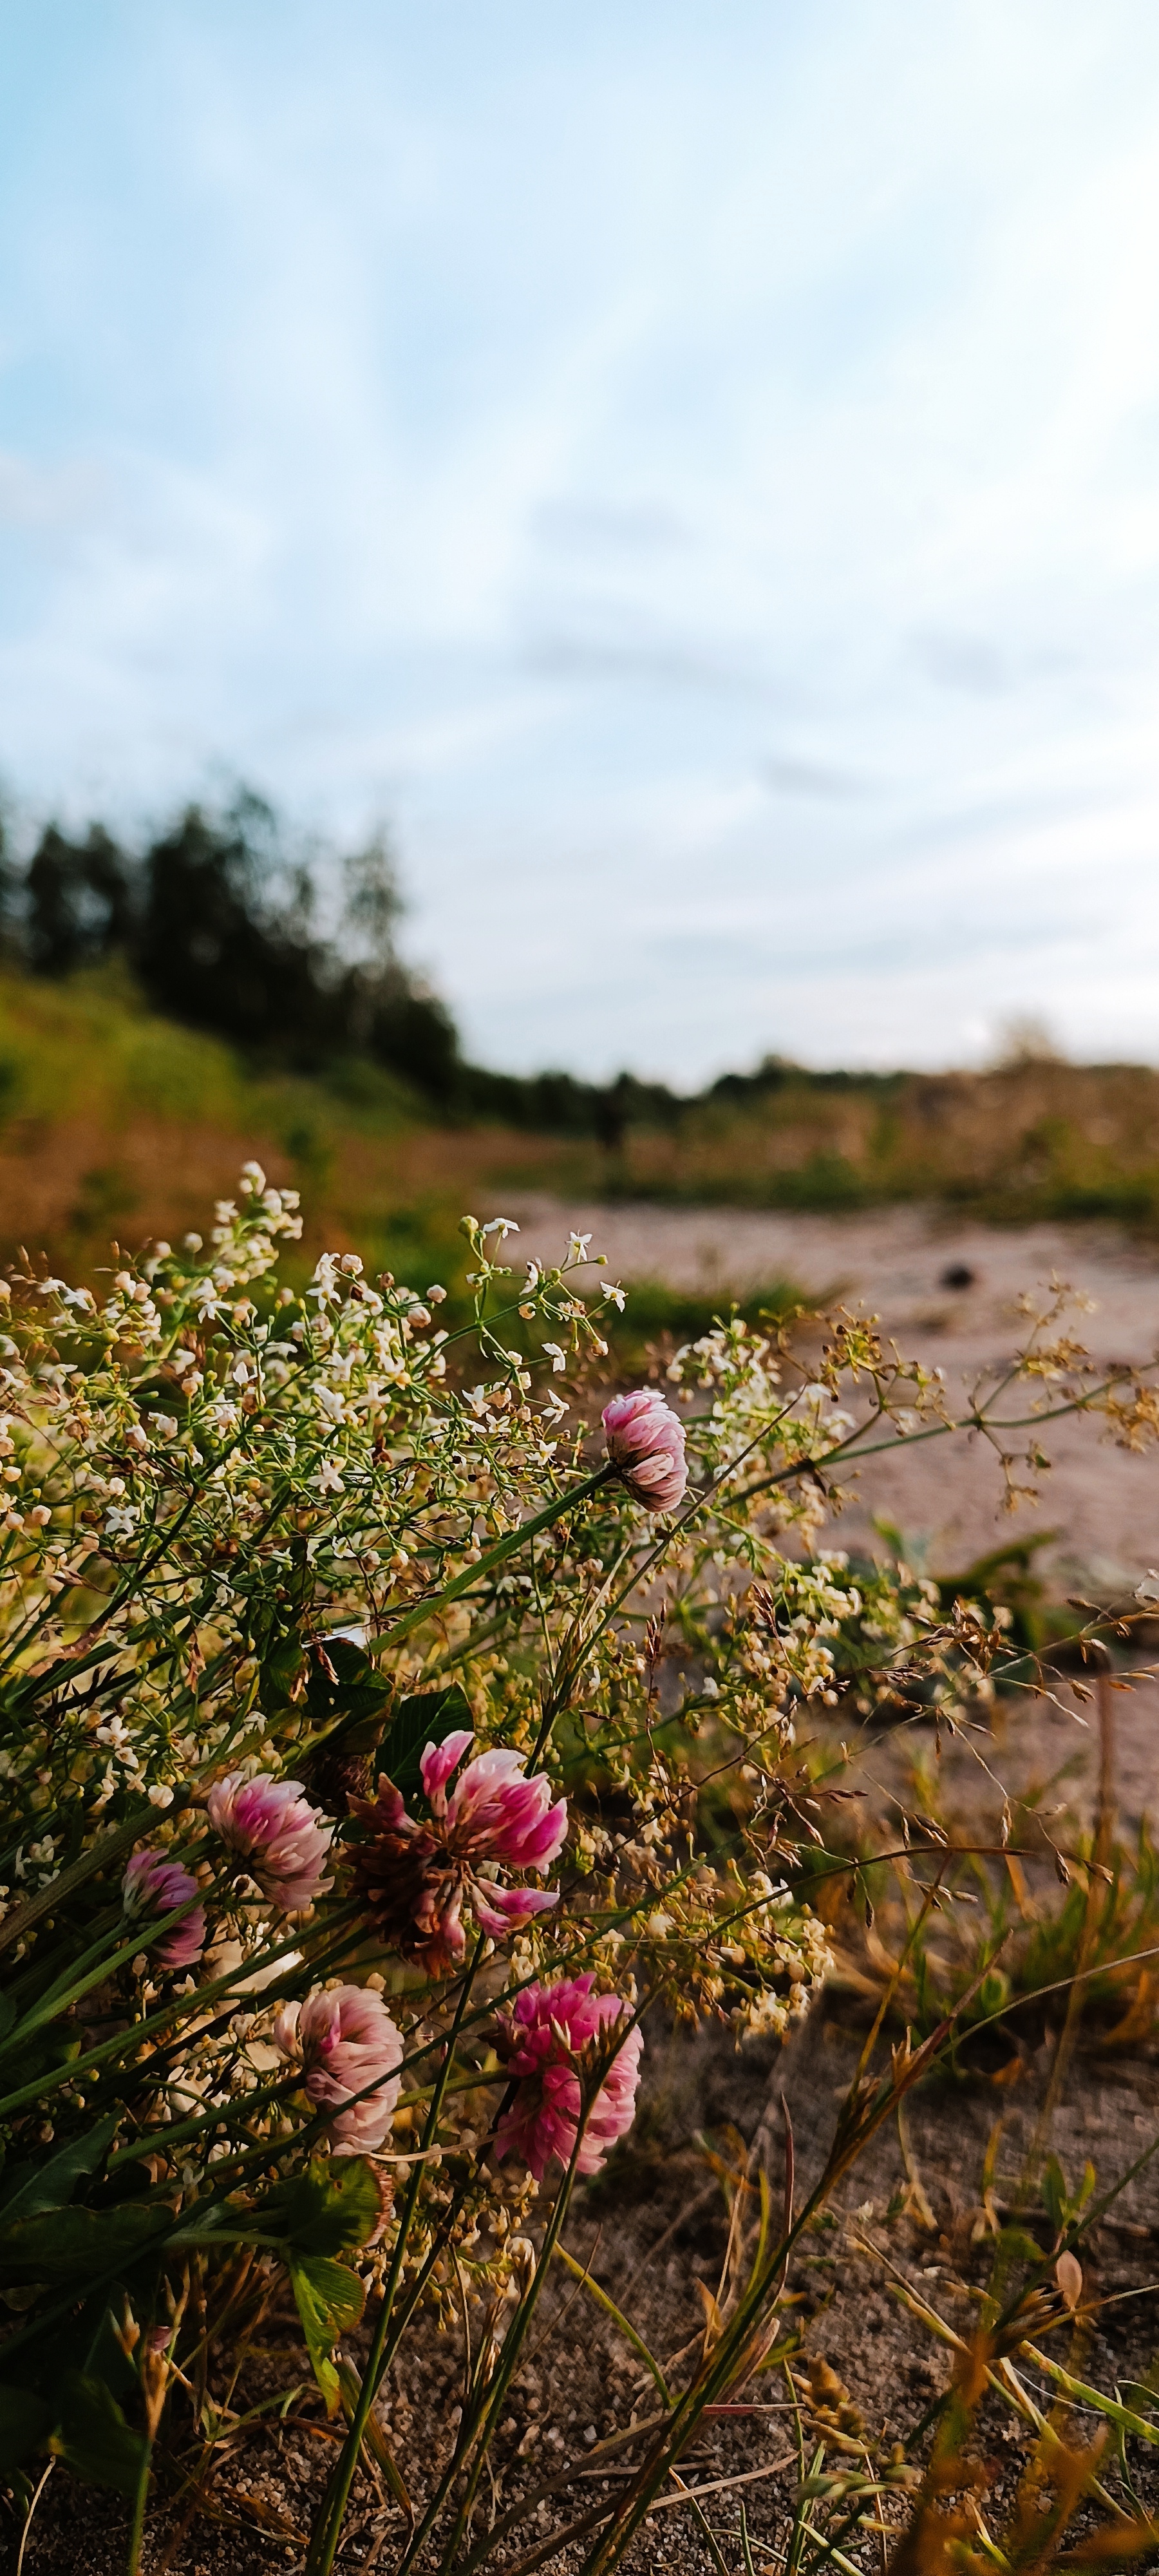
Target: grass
1025, 1142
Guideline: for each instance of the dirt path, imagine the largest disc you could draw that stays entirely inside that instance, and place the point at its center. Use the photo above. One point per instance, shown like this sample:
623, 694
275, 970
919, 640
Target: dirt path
897, 1263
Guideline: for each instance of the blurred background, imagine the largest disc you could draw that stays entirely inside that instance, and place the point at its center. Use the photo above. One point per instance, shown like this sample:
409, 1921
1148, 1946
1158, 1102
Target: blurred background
579, 622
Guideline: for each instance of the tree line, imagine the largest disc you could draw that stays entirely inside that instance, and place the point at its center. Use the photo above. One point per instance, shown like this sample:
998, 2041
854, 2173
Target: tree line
216, 918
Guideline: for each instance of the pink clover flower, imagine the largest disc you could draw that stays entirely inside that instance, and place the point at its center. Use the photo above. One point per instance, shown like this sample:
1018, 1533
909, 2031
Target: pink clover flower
544, 2040
646, 1447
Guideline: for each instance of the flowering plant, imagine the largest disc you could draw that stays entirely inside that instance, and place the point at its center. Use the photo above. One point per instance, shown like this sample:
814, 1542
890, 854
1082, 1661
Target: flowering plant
338, 1804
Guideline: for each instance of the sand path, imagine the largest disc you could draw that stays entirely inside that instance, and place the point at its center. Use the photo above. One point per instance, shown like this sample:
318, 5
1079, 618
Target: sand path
1102, 1502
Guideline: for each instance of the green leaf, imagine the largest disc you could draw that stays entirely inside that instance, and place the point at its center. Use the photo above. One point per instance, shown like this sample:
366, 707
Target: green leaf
330, 2303
24, 2420
344, 1683
85, 2340
92, 2437
428, 1717
329, 2209
339, 2207
50, 2185
1054, 2192
282, 1673
76, 2245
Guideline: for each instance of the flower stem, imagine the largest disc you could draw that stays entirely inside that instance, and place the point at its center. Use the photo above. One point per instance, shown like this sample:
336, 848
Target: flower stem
324, 2543
140, 2500
493, 1556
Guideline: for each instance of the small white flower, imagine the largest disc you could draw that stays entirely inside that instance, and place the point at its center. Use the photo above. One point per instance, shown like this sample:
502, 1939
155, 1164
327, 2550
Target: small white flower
557, 1357
324, 1285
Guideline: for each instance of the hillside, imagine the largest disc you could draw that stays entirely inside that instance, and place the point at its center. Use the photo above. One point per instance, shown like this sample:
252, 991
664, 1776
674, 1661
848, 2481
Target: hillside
116, 1122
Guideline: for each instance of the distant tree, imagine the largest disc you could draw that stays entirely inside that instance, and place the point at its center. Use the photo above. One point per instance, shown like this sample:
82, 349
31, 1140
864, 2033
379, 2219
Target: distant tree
373, 904
11, 891
225, 939
79, 901
412, 1033
217, 920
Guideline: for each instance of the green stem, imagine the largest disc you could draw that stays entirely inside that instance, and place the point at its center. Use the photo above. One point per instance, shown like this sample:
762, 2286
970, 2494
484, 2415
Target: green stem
491, 1557
324, 2544
476, 2433
137, 2526
127, 2041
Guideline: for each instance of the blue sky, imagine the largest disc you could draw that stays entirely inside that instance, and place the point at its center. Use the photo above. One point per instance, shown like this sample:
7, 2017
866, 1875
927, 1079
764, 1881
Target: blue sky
694, 471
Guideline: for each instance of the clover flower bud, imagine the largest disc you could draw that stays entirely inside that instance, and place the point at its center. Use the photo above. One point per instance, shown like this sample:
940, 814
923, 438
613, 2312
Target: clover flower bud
346, 2042
271, 1827
154, 1885
543, 2041
646, 1447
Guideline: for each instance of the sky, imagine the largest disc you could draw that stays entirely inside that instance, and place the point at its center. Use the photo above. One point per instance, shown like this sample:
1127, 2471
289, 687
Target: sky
691, 471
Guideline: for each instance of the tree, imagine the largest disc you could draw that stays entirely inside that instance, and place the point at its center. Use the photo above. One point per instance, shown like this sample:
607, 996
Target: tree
79, 901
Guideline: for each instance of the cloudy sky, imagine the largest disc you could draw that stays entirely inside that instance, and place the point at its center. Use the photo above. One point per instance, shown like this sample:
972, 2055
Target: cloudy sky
693, 470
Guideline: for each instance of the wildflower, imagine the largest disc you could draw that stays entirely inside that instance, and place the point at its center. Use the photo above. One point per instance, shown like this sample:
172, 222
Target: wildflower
283, 1840
154, 1885
543, 2041
346, 2041
646, 1446
414, 1876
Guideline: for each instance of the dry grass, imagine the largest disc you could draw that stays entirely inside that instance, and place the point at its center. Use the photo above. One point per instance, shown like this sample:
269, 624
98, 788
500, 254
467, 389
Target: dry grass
1030, 1141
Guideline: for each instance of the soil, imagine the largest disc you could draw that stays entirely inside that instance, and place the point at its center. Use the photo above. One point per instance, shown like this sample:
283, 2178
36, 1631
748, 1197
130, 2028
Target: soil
655, 2233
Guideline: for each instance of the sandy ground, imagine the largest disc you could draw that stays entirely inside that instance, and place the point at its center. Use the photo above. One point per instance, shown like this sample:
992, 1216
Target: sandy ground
663, 2233
1102, 1502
